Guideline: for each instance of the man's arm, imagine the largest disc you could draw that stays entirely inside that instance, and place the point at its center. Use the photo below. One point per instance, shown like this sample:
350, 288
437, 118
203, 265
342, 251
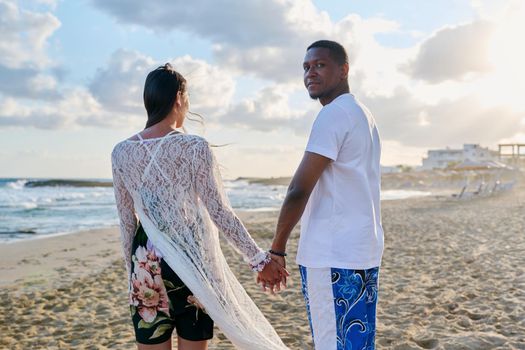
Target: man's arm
303, 182
302, 185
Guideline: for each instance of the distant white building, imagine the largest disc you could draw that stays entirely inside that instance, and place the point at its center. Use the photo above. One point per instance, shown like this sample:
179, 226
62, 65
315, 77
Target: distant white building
443, 158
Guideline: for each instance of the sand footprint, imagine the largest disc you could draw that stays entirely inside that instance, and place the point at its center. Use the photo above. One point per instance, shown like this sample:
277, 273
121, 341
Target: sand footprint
426, 341
475, 316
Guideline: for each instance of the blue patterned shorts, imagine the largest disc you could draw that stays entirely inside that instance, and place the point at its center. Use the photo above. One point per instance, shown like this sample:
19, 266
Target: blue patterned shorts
341, 305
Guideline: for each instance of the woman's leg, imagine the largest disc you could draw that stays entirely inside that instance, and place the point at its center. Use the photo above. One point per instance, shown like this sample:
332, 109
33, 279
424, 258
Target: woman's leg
162, 346
191, 345
159, 325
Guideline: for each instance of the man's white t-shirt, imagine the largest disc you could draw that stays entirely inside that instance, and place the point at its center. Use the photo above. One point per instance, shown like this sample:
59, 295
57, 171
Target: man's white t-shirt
341, 224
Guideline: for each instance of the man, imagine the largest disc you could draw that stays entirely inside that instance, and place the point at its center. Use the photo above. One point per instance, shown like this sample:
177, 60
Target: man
336, 191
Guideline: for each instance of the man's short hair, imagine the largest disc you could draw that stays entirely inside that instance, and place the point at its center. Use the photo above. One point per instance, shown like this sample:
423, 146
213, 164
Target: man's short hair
337, 51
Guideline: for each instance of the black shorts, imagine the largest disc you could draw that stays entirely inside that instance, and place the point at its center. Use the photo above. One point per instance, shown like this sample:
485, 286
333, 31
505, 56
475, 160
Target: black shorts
158, 299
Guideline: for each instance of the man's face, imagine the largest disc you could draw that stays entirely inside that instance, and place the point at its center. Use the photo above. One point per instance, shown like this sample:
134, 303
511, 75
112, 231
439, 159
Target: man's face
322, 75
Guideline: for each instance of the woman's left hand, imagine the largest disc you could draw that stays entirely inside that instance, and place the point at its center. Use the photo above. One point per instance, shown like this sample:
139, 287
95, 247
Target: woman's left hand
272, 276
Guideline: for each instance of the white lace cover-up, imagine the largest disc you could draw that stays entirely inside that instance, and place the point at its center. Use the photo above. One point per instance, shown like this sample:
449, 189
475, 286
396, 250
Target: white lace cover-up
173, 186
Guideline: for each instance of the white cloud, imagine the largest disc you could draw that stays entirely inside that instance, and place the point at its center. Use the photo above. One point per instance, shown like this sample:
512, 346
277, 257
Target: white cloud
395, 153
519, 137
73, 106
211, 88
283, 63
52, 4
23, 56
114, 97
27, 83
76, 107
271, 160
24, 36
270, 110
448, 122
491, 8
119, 85
10, 106
265, 38
452, 53
245, 23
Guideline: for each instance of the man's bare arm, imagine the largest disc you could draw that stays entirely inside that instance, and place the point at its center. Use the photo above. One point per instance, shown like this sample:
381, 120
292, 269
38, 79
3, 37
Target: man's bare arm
302, 185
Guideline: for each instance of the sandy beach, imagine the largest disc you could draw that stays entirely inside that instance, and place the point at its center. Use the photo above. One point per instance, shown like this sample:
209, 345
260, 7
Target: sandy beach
453, 277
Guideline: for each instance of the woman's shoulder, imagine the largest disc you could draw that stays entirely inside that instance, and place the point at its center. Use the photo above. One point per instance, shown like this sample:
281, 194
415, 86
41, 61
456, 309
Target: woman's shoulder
118, 147
118, 154
195, 140
187, 141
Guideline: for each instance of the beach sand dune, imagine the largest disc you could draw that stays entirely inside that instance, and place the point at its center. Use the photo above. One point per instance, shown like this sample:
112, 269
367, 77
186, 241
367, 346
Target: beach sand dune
453, 277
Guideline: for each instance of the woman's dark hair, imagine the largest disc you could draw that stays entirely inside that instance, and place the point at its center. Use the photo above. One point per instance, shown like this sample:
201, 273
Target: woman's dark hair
337, 51
160, 92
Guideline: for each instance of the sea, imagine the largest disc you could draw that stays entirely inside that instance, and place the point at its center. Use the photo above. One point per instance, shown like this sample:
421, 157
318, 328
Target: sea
37, 208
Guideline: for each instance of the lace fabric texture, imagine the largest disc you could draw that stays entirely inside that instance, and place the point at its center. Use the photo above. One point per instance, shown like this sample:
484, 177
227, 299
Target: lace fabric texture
173, 186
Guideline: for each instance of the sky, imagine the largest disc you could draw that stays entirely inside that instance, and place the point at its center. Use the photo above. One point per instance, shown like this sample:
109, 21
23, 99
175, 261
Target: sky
435, 74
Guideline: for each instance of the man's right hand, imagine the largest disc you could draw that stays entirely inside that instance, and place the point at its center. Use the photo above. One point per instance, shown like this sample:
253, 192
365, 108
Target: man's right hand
273, 274
281, 260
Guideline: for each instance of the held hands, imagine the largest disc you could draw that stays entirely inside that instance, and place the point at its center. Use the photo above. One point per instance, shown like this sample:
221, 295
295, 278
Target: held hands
273, 274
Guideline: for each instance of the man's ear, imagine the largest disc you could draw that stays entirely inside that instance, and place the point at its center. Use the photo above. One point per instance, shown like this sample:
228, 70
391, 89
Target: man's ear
345, 68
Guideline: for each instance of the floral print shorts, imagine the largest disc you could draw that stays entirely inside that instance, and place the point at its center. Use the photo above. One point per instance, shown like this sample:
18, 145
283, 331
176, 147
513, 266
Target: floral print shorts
158, 298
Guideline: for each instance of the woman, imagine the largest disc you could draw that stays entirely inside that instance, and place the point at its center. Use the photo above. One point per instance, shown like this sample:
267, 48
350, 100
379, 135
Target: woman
178, 276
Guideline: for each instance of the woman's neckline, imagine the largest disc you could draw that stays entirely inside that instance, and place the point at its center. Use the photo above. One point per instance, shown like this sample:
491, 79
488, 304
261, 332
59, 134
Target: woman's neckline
170, 134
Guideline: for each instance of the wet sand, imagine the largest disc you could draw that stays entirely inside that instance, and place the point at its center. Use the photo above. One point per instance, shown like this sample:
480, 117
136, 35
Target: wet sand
453, 277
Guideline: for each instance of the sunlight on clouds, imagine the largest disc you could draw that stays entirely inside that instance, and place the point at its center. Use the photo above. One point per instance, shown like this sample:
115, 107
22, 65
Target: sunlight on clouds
11, 106
488, 8
211, 88
251, 90
373, 65
518, 138
394, 153
507, 54
423, 118
304, 17
43, 82
24, 36
272, 160
269, 110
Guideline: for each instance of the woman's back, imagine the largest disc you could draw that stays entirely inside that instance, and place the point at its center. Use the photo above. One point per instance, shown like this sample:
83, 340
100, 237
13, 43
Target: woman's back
173, 180
166, 161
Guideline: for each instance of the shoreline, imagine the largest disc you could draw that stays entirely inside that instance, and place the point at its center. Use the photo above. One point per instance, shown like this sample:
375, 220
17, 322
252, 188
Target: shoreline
37, 236
389, 195
20, 260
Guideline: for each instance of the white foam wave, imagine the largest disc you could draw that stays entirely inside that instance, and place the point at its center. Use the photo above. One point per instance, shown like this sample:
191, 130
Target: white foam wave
16, 185
28, 205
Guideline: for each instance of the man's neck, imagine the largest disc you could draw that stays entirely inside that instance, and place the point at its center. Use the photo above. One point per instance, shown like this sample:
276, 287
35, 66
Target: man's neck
343, 89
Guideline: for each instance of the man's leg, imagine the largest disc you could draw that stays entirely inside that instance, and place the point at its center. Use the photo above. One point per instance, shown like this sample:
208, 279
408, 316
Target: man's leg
355, 299
317, 291
341, 306
372, 290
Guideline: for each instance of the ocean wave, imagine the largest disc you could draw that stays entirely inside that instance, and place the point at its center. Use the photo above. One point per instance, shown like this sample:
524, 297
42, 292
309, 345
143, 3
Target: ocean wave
17, 185
14, 184
22, 231
68, 183
27, 205
19, 205
70, 197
